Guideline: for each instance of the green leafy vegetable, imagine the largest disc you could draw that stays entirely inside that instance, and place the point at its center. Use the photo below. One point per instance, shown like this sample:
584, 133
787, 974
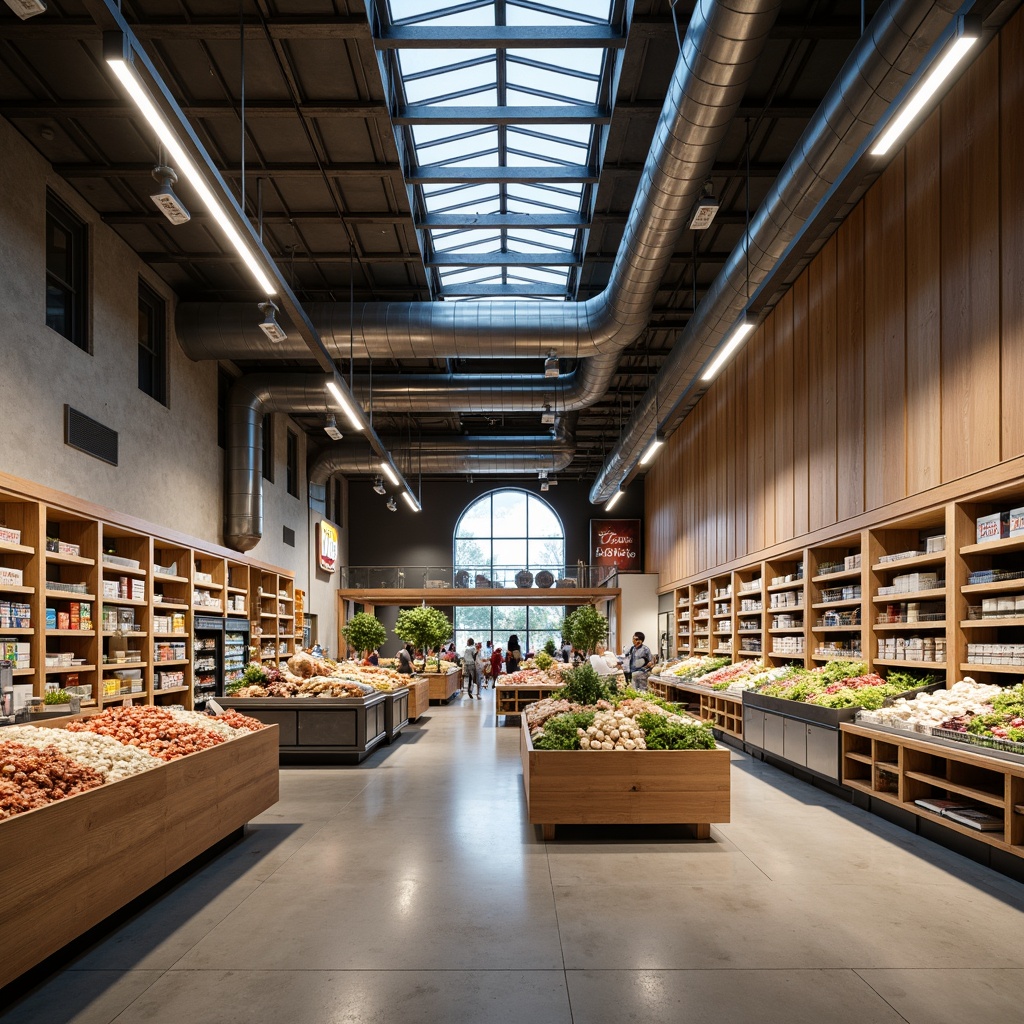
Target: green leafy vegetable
661, 734
560, 732
584, 686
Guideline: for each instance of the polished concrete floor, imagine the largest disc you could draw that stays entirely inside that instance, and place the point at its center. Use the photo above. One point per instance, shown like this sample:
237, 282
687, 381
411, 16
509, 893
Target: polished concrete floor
410, 890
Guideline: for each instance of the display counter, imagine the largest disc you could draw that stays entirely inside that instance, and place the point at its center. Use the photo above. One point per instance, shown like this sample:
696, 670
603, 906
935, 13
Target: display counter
625, 787
119, 840
335, 730
419, 696
444, 685
396, 712
722, 711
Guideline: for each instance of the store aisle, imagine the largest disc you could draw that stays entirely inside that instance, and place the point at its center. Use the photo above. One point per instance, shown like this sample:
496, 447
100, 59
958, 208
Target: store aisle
411, 892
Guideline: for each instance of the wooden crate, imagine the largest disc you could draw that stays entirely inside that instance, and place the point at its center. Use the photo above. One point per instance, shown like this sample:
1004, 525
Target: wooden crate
509, 701
625, 787
444, 686
419, 696
121, 839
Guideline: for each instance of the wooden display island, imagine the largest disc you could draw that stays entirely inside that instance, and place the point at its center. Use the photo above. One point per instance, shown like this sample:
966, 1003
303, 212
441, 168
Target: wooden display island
419, 696
625, 787
329, 730
126, 837
444, 685
509, 701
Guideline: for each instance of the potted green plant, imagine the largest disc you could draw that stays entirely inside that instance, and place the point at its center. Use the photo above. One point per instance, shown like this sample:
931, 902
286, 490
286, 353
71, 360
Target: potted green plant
585, 628
424, 628
365, 633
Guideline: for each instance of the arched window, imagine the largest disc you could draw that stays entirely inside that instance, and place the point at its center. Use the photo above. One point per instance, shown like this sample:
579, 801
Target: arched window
498, 536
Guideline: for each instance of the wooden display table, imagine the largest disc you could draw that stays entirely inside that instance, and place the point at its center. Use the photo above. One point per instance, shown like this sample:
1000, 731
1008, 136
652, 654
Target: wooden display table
124, 837
444, 685
332, 730
723, 711
509, 701
419, 696
898, 768
396, 712
625, 787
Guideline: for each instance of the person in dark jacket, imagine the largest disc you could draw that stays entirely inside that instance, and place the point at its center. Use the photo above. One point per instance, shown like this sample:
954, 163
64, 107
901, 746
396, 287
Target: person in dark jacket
514, 654
405, 660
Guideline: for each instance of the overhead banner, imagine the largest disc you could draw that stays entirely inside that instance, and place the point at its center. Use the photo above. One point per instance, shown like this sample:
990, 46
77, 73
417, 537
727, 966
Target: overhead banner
327, 546
615, 544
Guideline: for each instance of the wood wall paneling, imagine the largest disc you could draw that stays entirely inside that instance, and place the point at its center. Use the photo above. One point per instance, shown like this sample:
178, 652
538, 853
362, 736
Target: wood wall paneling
850, 365
1011, 143
783, 321
770, 468
884, 339
741, 451
970, 270
755, 442
923, 309
801, 402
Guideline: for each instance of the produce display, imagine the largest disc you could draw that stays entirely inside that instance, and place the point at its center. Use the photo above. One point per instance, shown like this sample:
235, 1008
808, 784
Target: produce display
690, 669
926, 711
57, 697
113, 760
1002, 718
306, 676
31, 778
586, 715
840, 684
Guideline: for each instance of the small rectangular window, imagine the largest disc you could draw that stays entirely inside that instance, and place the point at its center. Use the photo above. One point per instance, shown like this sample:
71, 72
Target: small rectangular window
66, 253
152, 344
268, 447
293, 463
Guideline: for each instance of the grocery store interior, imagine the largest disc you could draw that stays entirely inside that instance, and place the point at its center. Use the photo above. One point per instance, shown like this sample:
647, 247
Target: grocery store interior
670, 351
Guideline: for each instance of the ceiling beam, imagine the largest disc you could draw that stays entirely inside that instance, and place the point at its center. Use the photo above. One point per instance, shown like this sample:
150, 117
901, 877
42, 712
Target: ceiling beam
467, 259
340, 109
502, 259
502, 37
569, 113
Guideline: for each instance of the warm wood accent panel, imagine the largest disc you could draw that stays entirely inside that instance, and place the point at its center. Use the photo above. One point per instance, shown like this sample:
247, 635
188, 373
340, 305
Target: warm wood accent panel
1011, 143
969, 270
924, 339
892, 366
850, 366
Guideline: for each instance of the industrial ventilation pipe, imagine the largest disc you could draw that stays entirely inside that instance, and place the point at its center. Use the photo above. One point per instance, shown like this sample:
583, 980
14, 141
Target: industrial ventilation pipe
887, 55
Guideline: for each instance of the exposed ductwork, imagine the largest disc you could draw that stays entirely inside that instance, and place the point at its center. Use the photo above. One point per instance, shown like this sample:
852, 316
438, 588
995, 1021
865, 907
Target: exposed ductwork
885, 58
477, 455
251, 397
719, 52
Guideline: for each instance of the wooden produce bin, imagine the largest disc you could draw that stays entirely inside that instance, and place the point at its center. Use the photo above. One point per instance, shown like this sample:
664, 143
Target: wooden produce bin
625, 787
509, 701
722, 711
419, 696
127, 836
331, 730
444, 685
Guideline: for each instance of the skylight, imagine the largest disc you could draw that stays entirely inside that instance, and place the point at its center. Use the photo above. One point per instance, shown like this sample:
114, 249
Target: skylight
500, 110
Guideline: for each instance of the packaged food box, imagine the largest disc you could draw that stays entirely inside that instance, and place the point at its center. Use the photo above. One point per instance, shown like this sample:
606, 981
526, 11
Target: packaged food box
993, 527
64, 548
1017, 522
936, 544
10, 536
11, 577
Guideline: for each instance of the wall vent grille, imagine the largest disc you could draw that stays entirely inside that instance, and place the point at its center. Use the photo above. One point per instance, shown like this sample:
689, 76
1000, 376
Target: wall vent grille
85, 434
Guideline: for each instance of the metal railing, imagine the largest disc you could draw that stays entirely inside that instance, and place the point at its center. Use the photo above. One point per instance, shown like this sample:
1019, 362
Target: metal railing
498, 577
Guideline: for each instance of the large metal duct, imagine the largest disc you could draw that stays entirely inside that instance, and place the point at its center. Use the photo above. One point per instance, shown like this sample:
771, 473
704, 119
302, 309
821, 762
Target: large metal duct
477, 455
250, 398
885, 58
720, 50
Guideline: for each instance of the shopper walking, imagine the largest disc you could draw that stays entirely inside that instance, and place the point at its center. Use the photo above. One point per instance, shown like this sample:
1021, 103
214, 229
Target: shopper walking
405, 660
469, 667
496, 660
514, 654
637, 662
483, 668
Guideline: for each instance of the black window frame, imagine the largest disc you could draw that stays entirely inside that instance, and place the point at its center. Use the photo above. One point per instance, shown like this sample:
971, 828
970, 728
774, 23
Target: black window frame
154, 307
292, 463
75, 290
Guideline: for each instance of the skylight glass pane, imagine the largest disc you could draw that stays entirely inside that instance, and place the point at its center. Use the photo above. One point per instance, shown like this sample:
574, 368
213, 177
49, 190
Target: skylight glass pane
540, 275
533, 240
481, 198
432, 12
564, 150
469, 240
469, 275
524, 158
429, 137
564, 197
574, 12
476, 81
434, 63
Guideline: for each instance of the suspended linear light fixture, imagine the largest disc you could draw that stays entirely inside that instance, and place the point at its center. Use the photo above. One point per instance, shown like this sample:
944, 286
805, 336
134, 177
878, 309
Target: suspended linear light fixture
346, 403
389, 472
120, 57
733, 342
656, 442
613, 499
411, 501
968, 32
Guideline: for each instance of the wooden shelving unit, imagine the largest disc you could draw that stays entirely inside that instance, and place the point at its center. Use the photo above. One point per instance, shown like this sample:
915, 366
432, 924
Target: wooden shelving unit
898, 770
509, 701
123, 569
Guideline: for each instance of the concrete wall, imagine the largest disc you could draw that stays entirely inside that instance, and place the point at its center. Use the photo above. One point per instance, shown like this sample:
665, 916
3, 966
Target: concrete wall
170, 470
